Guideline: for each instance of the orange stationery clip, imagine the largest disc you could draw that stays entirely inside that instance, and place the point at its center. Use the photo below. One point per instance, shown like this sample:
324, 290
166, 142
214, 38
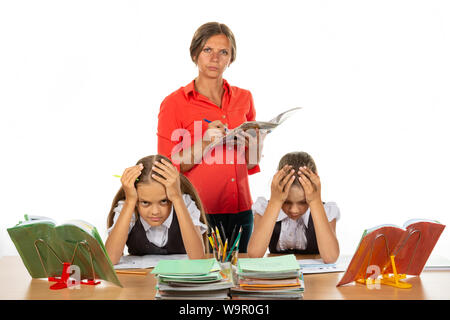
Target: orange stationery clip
394, 280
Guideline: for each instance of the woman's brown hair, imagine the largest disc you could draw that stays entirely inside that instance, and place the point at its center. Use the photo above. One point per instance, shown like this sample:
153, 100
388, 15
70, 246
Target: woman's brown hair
206, 31
146, 177
297, 160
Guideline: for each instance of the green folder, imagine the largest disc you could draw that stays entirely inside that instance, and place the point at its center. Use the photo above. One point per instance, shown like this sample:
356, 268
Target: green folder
283, 263
44, 246
186, 267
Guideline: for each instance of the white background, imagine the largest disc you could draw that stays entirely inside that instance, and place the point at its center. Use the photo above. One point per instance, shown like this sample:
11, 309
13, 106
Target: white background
81, 83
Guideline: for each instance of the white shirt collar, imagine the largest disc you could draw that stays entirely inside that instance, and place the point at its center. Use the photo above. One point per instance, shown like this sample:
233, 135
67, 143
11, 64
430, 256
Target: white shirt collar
166, 224
304, 218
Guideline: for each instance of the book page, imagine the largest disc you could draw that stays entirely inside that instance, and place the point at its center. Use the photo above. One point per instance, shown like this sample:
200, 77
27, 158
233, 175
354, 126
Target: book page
147, 261
412, 221
29, 219
83, 225
311, 266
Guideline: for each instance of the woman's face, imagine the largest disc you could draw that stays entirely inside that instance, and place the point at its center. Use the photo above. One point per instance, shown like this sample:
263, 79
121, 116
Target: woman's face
153, 205
215, 56
295, 205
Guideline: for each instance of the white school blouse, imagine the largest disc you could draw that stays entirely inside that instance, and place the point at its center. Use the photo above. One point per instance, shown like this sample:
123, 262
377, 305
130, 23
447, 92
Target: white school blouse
158, 235
293, 232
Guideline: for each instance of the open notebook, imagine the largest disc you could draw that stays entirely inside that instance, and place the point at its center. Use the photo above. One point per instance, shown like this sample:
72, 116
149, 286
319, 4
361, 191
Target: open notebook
263, 126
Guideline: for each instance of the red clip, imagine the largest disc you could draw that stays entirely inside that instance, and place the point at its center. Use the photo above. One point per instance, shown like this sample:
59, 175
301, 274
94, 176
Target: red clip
61, 283
90, 282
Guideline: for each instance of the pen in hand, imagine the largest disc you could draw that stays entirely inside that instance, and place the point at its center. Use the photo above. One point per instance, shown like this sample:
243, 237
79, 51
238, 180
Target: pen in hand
209, 121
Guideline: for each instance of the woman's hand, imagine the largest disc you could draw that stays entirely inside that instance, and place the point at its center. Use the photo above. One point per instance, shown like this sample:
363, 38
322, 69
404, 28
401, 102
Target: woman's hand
311, 185
170, 180
216, 129
281, 183
128, 179
253, 140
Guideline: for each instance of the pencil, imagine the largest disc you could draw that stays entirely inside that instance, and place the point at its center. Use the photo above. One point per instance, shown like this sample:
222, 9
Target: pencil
215, 240
211, 241
224, 250
223, 231
119, 176
234, 244
233, 233
140, 273
218, 237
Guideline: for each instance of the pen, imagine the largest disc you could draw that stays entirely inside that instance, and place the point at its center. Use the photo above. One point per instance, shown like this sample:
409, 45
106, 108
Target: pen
209, 121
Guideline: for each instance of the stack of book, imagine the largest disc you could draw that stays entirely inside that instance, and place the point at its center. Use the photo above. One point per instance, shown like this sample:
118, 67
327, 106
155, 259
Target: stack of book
268, 278
191, 280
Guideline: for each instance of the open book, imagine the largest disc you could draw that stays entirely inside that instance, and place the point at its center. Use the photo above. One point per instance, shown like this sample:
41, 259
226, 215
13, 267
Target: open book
411, 245
44, 246
263, 126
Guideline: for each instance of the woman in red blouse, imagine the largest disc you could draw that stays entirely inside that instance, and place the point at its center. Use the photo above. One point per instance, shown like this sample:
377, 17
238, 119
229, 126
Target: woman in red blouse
195, 115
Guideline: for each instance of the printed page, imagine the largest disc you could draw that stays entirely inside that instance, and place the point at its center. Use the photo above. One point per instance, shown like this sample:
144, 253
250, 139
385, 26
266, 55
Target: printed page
147, 261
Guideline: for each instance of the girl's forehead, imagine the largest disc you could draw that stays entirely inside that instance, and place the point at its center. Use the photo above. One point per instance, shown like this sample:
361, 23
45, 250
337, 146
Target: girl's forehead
153, 191
296, 194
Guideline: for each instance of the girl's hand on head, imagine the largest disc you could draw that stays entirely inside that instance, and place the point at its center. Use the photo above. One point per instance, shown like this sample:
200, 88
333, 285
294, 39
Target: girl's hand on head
128, 179
281, 183
311, 184
171, 180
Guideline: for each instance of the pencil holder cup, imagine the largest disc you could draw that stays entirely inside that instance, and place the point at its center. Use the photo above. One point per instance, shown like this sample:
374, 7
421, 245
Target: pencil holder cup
229, 271
225, 267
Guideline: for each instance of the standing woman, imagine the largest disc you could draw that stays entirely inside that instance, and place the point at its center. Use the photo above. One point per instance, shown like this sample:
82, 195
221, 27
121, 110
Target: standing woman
195, 115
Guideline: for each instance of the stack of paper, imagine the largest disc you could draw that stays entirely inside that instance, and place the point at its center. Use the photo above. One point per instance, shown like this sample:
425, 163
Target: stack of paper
309, 266
268, 278
191, 280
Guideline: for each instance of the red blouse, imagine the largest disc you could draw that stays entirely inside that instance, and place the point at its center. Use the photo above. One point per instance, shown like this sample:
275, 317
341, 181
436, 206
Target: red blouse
222, 185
